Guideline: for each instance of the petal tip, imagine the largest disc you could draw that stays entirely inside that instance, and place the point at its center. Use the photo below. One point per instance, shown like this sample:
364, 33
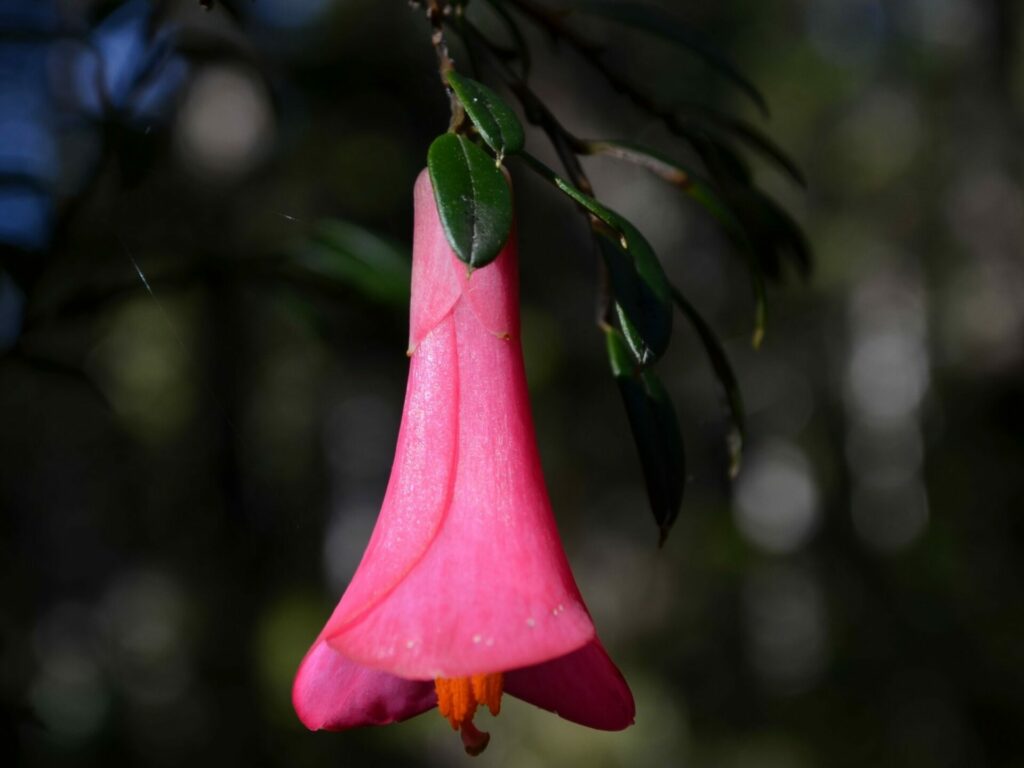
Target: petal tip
333, 693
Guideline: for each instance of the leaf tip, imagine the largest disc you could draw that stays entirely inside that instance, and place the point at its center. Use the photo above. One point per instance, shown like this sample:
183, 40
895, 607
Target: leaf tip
734, 440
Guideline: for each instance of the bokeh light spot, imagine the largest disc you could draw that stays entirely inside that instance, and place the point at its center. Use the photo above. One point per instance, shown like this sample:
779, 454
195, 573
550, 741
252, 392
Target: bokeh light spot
776, 505
226, 124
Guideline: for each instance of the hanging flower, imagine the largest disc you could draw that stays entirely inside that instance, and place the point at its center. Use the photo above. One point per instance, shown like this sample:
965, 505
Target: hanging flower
464, 591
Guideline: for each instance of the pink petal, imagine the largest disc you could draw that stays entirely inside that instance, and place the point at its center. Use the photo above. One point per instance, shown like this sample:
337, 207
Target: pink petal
439, 279
480, 584
493, 294
436, 282
332, 693
585, 687
493, 590
419, 491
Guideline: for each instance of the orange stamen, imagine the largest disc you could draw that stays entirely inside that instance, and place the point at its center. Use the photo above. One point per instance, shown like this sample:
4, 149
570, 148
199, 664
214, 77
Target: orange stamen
459, 697
487, 689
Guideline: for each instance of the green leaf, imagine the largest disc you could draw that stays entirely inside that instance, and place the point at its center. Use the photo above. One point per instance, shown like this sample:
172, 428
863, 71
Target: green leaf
473, 199
695, 186
345, 254
522, 49
493, 118
746, 133
791, 236
725, 376
776, 233
619, 357
760, 303
645, 324
655, 428
722, 159
656, 21
642, 291
701, 191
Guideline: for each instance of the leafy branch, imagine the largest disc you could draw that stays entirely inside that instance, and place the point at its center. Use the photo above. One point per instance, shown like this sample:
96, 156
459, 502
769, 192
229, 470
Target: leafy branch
694, 128
636, 299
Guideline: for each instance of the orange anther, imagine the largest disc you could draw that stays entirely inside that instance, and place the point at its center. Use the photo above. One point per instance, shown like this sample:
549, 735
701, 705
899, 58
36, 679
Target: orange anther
458, 697
487, 689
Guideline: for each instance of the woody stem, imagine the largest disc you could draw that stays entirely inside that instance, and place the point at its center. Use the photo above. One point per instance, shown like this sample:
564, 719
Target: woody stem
437, 11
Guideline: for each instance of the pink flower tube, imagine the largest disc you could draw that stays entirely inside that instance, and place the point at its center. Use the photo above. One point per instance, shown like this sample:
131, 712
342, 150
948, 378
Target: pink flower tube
464, 590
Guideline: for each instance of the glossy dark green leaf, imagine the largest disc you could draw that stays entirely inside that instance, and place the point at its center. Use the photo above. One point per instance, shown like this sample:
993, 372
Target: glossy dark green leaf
493, 118
660, 23
655, 428
347, 255
736, 179
705, 194
725, 376
646, 325
473, 199
642, 291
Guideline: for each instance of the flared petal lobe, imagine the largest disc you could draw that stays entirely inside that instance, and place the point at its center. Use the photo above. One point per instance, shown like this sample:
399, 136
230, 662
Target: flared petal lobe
465, 572
332, 693
585, 687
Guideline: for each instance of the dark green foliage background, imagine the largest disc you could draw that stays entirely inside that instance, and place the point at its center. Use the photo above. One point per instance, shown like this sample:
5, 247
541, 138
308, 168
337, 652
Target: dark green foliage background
171, 467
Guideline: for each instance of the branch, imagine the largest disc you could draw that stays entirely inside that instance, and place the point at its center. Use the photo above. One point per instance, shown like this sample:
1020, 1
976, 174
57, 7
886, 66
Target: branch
437, 11
566, 147
552, 23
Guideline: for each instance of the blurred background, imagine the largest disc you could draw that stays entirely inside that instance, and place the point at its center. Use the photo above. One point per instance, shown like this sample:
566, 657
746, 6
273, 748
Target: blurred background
205, 217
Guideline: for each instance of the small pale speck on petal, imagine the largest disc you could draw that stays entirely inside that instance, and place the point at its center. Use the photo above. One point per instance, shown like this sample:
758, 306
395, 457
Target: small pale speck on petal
477, 638
530, 622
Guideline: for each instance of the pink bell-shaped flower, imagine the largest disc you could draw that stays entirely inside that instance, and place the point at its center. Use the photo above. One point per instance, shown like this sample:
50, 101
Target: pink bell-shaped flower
464, 590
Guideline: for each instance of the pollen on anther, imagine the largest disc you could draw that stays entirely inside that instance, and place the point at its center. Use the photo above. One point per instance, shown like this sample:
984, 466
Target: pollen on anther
487, 690
458, 697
